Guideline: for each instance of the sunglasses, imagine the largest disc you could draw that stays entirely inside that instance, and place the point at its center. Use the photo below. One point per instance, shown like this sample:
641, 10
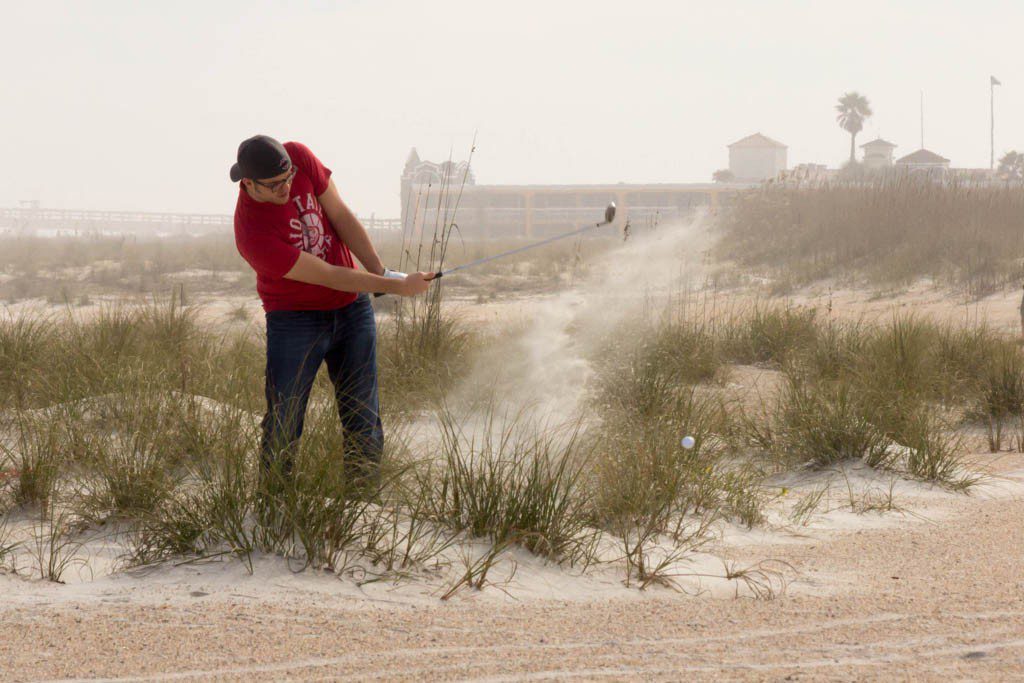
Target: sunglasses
277, 184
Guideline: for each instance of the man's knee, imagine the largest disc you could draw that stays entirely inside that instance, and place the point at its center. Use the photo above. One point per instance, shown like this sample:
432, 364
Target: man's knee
281, 428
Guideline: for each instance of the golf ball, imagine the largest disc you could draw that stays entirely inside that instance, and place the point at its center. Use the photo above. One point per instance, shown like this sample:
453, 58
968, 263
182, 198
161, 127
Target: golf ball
688, 442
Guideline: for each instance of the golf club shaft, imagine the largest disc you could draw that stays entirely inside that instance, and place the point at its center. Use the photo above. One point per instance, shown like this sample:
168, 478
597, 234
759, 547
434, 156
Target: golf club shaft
609, 216
518, 250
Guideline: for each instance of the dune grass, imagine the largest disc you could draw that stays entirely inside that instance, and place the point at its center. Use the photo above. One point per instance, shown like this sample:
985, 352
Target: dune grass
73, 270
514, 481
887, 231
821, 424
7, 546
54, 544
315, 517
142, 416
423, 351
769, 334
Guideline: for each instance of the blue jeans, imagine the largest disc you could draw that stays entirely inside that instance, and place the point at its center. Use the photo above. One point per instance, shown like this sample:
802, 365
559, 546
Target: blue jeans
298, 342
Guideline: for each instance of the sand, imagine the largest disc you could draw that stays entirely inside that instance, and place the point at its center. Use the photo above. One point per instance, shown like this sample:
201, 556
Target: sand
934, 592
931, 590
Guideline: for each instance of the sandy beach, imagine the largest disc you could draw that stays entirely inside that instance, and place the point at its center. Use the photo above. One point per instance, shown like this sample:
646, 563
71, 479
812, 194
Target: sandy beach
927, 593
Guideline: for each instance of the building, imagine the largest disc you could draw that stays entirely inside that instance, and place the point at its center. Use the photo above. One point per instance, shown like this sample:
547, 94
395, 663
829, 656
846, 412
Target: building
538, 211
431, 198
923, 161
878, 153
418, 172
756, 158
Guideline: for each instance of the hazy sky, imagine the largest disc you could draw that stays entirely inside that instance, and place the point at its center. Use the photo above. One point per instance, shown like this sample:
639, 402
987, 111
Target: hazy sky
141, 105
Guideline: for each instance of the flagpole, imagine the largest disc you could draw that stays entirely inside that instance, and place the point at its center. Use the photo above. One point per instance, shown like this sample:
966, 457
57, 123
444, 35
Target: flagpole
992, 128
922, 119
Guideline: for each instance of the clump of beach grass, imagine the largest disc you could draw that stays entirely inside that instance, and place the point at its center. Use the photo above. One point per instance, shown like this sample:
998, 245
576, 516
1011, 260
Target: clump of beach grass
803, 510
887, 404
932, 451
54, 545
32, 458
317, 515
767, 334
131, 453
514, 481
1001, 395
417, 348
648, 489
823, 423
870, 499
26, 344
210, 512
655, 497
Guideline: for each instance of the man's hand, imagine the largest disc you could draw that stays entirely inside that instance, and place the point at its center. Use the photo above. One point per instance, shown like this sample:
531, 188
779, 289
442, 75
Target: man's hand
414, 283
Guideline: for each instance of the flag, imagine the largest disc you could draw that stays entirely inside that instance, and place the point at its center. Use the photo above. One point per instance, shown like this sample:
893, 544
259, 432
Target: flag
994, 81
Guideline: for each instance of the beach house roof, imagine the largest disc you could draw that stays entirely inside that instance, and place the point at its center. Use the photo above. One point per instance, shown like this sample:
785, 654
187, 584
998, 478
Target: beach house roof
878, 143
922, 156
757, 140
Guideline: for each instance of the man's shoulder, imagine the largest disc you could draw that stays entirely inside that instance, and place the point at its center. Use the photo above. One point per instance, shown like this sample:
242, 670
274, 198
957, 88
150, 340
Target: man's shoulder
240, 207
293, 147
247, 214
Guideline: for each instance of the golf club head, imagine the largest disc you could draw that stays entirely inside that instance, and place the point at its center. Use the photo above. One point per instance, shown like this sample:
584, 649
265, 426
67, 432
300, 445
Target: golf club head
609, 212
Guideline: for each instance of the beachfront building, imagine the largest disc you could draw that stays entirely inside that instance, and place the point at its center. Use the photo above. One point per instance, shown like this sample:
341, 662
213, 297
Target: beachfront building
878, 153
923, 162
756, 157
431, 191
419, 172
538, 211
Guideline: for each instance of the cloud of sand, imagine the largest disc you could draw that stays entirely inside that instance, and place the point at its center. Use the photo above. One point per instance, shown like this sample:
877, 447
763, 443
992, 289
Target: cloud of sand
543, 363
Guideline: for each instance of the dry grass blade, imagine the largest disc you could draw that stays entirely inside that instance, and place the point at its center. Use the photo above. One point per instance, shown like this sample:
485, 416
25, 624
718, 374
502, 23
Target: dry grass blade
54, 547
804, 509
476, 573
7, 546
765, 580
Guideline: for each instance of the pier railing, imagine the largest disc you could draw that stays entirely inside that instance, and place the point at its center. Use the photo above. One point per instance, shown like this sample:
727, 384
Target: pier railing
34, 219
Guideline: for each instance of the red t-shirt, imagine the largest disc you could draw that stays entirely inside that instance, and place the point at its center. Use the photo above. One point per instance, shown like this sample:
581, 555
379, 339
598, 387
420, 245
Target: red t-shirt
270, 236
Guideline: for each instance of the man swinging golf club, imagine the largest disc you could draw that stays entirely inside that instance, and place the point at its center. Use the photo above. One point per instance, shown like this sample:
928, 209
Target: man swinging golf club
297, 234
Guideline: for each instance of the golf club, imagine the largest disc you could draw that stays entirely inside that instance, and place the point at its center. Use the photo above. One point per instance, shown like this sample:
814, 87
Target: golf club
609, 216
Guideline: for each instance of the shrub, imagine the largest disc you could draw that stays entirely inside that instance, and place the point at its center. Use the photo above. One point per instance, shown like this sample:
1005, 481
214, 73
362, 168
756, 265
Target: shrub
516, 481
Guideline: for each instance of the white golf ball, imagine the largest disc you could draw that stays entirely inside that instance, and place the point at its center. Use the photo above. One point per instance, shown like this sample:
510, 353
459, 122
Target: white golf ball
688, 442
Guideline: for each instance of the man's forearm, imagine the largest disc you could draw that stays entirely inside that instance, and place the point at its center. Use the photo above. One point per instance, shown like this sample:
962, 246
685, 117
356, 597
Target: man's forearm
316, 271
348, 280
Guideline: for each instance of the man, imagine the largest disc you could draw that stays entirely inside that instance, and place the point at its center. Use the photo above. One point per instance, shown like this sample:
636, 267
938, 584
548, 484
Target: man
1022, 315
297, 234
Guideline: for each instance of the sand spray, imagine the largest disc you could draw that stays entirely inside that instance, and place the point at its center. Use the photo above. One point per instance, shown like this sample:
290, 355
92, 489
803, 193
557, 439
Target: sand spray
541, 362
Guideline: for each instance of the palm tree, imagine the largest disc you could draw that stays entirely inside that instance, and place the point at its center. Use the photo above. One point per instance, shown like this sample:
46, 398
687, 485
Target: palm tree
1011, 167
853, 108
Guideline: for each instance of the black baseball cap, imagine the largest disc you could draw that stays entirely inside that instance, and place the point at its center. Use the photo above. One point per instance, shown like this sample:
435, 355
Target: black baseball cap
260, 157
